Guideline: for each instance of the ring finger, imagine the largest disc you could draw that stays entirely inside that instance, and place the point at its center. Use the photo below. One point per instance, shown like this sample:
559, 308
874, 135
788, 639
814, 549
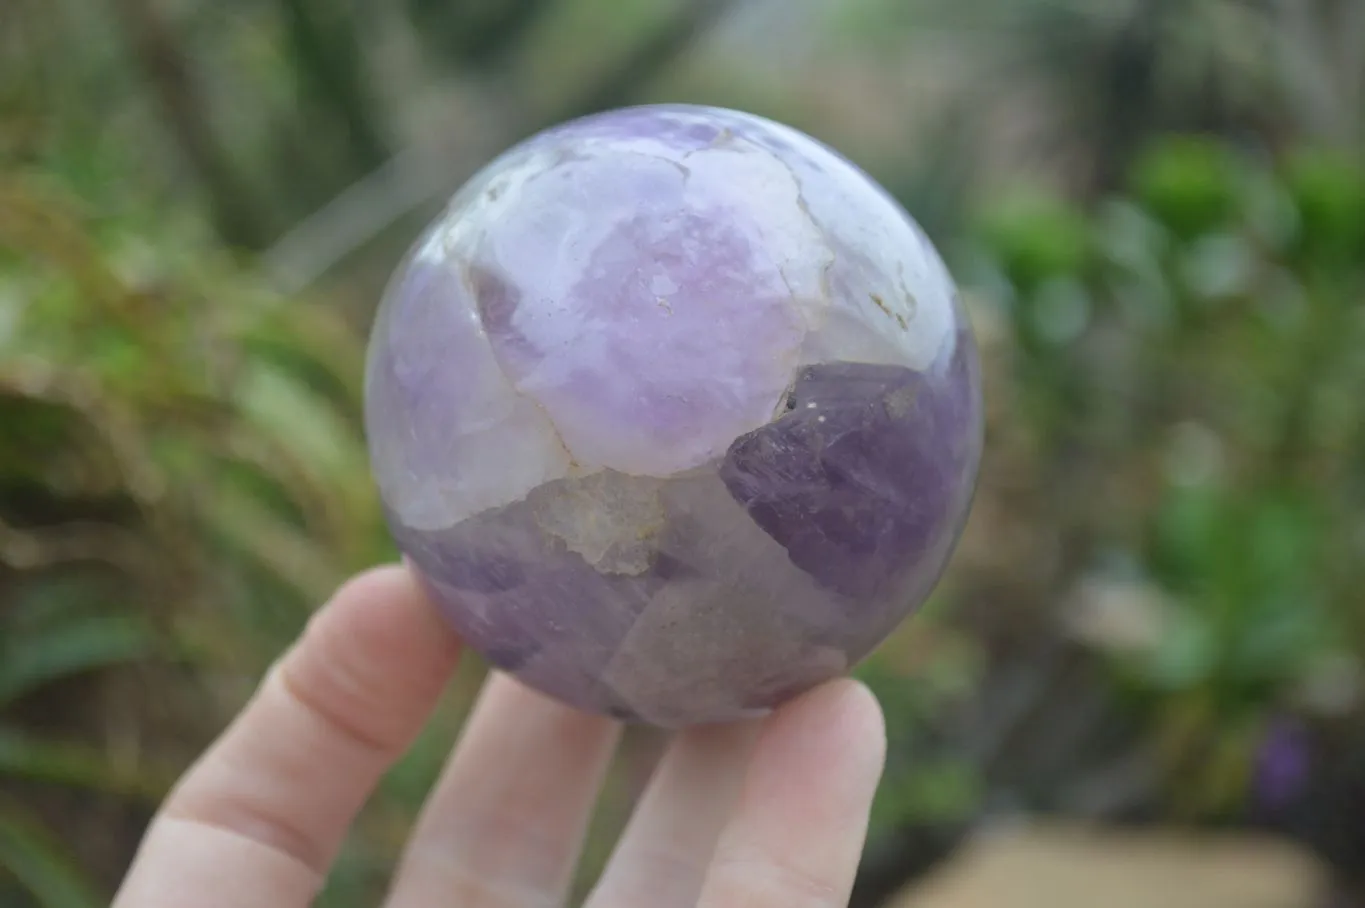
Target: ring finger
506, 822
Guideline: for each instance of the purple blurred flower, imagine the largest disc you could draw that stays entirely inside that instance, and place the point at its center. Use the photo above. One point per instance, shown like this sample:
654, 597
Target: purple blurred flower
1283, 765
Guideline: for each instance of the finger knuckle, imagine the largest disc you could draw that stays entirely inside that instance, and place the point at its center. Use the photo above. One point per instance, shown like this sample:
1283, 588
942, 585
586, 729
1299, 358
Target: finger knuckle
771, 881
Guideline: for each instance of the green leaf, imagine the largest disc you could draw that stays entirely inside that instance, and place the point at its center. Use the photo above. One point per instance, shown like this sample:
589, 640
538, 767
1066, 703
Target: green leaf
75, 766
72, 647
1190, 184
1189, 526
1277, 641
1187, 656
279, 548
939, 790
282, 408
1037, 238
35, 857
1329, 193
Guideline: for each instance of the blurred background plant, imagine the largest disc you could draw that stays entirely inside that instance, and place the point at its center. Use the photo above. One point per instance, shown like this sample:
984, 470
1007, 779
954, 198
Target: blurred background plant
1157, 212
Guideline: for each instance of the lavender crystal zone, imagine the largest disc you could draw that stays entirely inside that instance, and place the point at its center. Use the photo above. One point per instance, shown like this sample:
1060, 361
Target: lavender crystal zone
676, 411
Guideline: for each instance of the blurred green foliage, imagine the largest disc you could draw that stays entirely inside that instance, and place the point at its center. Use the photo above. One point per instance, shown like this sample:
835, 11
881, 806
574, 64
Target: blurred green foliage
1187, 362
182, 477
1175, 377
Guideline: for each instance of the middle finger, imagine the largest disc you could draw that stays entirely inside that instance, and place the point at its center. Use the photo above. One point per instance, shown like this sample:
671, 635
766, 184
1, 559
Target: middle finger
506, 821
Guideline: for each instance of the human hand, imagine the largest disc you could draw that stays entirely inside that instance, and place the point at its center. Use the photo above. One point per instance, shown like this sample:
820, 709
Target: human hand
769, 814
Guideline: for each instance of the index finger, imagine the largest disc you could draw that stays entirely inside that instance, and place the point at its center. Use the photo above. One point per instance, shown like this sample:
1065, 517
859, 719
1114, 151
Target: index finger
260, 817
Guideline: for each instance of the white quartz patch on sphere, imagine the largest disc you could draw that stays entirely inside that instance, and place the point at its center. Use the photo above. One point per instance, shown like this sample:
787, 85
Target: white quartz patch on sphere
589, 286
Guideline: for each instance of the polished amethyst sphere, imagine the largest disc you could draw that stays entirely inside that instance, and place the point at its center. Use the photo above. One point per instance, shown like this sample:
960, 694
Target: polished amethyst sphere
676, 411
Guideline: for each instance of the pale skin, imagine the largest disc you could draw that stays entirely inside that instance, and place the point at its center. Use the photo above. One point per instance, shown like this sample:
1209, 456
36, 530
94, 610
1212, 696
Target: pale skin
769, 814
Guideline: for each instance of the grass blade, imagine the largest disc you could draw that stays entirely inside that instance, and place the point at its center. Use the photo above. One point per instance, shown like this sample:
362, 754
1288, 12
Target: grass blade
24, 756
68, 648
34, 857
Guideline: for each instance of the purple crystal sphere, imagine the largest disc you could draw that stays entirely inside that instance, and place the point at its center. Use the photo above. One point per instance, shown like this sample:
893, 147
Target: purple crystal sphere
676, 412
